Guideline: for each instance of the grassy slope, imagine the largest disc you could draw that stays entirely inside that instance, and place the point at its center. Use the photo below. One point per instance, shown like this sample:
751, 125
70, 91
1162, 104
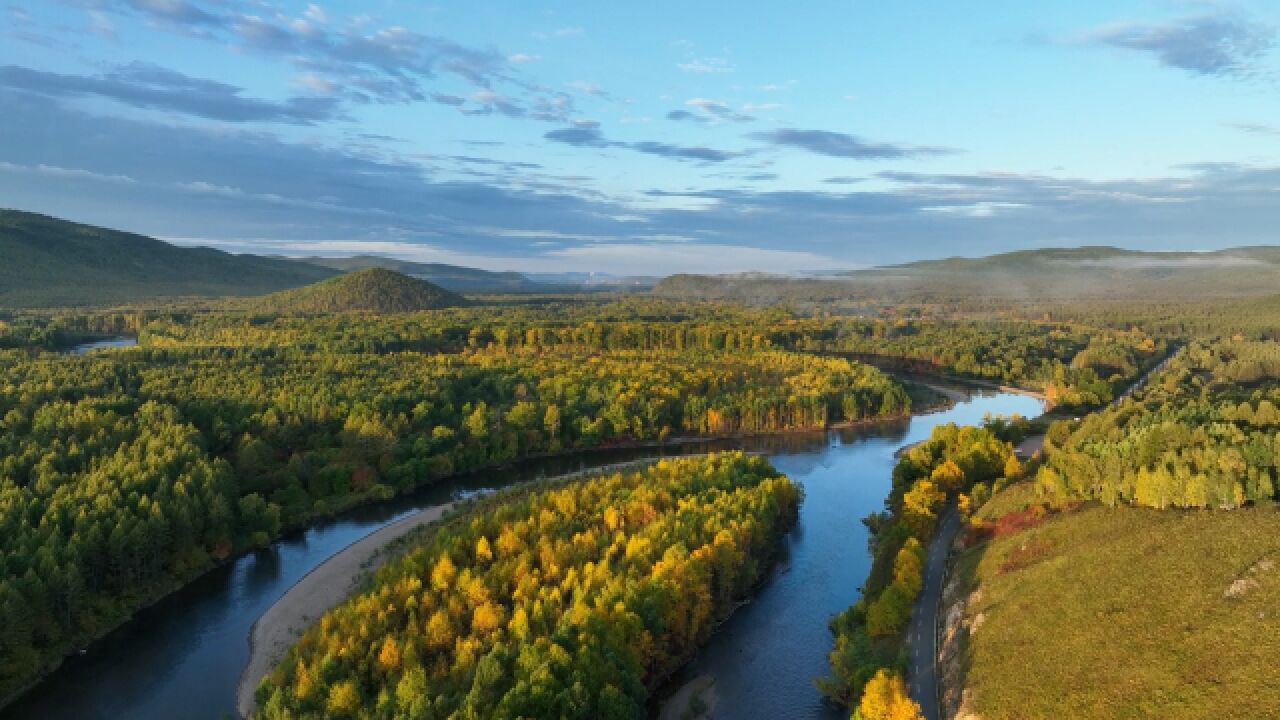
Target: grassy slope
1121, 613
48, 261
371, 290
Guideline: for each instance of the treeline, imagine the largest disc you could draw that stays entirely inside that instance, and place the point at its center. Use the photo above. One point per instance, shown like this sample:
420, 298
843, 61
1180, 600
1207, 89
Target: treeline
126, 473
1075, 366
957, 462
568, 602
1202, 433
53, 332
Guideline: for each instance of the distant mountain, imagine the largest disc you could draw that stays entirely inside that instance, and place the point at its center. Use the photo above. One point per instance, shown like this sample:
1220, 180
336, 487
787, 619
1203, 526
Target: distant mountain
594, 280
375, 290
449, 277
1044, 274
45, 261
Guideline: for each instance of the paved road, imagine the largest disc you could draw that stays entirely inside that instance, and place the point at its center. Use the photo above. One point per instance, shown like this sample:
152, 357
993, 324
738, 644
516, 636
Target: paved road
1147, 375
922, 632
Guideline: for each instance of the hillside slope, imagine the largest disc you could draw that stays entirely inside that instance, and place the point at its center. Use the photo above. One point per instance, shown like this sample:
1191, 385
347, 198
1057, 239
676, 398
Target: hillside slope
1043, 274
1119, 612
375, 290
450, 277
48, 261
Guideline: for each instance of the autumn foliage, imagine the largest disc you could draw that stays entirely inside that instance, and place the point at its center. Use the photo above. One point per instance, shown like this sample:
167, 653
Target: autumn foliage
869, 635
569, 601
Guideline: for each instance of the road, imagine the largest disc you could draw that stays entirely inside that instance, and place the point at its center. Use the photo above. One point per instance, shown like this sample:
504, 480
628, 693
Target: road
922, 632
1173, 350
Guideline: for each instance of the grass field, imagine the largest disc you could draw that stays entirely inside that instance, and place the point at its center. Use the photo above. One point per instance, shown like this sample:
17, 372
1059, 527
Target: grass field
1125, 613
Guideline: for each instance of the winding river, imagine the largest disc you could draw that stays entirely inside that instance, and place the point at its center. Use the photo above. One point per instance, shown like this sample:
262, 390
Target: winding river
183, 656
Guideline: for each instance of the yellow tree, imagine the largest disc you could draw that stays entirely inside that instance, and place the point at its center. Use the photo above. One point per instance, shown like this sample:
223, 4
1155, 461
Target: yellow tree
948, 476
920, 507
885, 698
389, 656
344, 699
908, 566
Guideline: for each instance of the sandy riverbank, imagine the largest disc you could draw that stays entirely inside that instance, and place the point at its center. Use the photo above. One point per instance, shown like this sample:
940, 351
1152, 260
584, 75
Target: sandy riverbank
333, 581
328, 584
695, 700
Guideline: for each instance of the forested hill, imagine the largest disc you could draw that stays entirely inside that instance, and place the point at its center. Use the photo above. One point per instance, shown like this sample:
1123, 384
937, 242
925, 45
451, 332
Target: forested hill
1048, 273
449, 277
375, 290
47, 261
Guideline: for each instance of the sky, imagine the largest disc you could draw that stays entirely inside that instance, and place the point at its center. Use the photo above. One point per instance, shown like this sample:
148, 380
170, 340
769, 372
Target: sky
647, 138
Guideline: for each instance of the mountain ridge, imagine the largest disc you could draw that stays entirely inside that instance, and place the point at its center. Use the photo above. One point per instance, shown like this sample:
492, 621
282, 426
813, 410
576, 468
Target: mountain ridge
50, 261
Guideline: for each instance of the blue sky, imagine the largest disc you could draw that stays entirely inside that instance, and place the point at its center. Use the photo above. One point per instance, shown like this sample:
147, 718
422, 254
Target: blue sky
648, 137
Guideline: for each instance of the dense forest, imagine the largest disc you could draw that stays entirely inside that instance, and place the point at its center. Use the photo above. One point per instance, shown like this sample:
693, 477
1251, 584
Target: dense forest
568, 602
125, 473
371, 290
1202, 433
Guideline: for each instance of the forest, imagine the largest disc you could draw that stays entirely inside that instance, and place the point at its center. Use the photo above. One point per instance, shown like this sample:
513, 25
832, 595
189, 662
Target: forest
1200, 434
569, 602
126, 473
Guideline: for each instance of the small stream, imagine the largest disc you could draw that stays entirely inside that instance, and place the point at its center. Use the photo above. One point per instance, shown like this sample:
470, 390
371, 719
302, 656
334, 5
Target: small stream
182, 657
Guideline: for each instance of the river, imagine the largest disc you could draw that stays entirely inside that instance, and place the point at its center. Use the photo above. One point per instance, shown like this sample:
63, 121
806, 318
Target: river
107, 343
183, 656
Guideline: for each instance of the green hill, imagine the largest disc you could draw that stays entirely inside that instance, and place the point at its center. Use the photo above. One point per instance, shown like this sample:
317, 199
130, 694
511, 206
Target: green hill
374, 290
47, 261
449, 277
1119, 612
1043, 274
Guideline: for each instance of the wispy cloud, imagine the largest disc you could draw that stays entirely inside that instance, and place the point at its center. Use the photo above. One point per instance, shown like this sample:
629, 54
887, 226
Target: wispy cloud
590, 136
706, 65
1222, 44
718, 110
358, 59
836, 144
1257, 129
149, 86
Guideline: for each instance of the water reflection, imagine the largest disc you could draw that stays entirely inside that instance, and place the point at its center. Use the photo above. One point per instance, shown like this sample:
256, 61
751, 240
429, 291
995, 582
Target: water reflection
764, 659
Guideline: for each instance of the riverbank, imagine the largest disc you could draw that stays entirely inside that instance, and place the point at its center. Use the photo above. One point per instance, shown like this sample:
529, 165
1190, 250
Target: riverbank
695, 700
328, 584
167, 586
334, 580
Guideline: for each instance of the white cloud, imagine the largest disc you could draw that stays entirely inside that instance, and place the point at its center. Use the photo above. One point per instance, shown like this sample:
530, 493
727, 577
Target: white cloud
976, 210
523, 58
65, 172
319, 84
706, 65
315, 13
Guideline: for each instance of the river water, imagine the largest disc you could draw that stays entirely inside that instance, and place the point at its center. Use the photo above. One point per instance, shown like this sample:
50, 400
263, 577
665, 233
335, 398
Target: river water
182, 657
114, 342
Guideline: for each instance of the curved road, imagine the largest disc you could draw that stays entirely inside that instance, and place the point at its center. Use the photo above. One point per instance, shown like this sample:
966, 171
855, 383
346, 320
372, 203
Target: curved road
922, 633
